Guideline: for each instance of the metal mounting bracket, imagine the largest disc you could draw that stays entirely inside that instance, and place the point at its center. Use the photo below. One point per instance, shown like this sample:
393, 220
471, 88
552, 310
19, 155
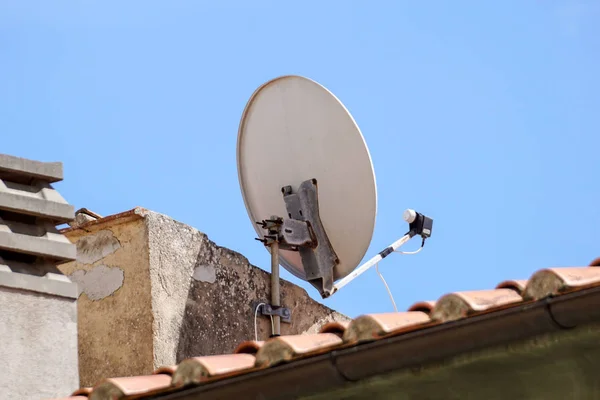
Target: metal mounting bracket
303, 231
283, 312
318, 257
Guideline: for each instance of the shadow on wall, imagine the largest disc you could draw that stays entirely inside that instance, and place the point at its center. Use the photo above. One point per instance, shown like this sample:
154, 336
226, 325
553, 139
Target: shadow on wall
219, 311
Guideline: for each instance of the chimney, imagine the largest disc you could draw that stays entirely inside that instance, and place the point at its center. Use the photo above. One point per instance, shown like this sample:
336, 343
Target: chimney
38, 321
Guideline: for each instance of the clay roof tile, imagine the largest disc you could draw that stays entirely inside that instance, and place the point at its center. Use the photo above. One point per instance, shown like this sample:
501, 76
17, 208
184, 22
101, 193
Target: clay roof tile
249, 347
167, 370
423, 306
285, 348
518, 285
335, 327
458, 305
552, 281
373, 326
84, 391
119, 388
199, 369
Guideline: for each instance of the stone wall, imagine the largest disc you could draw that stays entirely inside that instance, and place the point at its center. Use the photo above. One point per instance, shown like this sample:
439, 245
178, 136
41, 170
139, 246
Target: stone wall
212, 312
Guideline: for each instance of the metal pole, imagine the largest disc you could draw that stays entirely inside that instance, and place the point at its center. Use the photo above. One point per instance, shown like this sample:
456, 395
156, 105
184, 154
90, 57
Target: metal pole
275, 300
358, 271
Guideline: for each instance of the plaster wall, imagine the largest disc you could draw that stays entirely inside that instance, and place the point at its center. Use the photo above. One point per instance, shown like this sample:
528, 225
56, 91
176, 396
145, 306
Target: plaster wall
115, 314
37, 330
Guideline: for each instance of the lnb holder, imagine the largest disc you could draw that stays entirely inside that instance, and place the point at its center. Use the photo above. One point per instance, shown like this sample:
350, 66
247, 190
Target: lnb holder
418, 224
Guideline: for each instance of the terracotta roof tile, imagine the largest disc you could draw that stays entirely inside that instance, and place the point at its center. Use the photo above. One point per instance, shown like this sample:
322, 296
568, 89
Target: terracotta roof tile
461, 304
285, 348
119, 388
517, 285
82, 392
249, 347
335, 327
166, 370
373, 326
73, 398
552, 281
199, 369
423, 306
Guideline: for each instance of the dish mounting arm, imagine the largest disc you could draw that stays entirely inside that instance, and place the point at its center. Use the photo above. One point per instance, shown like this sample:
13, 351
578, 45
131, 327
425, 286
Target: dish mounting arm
303, 231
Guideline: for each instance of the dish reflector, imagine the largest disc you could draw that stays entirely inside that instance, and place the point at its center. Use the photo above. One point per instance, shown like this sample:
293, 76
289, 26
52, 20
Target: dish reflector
293, 130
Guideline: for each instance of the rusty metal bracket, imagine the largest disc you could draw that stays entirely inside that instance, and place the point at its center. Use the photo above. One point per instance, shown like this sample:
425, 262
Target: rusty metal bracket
303, 231
290, 233
283, 312
318, 259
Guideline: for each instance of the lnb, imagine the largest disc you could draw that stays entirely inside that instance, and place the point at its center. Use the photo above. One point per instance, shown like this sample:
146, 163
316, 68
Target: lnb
419, 224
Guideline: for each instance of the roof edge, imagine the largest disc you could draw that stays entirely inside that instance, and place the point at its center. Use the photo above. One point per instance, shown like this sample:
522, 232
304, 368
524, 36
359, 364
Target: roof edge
130, 215
338, 368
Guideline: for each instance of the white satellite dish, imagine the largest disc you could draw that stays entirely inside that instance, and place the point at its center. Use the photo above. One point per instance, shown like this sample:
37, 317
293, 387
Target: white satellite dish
308, 183
293, 130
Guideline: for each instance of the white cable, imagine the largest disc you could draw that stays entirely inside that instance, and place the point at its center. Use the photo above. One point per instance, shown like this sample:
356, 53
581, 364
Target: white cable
383, 279
386, 286
255, 318
409, 252
412, 252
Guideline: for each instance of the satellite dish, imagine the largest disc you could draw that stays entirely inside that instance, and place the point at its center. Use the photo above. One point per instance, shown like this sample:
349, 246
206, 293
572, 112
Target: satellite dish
309, 188
294, 130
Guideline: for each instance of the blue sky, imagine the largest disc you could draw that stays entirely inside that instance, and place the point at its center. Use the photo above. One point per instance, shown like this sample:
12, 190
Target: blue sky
484, 115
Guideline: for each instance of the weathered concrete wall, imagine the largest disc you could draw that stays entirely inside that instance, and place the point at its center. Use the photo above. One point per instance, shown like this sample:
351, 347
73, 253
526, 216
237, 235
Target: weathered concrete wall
203, 295
115, 314
38, 310
38, 345
154, 291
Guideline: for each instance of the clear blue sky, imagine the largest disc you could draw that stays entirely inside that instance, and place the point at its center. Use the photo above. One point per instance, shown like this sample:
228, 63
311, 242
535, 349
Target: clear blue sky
483, 115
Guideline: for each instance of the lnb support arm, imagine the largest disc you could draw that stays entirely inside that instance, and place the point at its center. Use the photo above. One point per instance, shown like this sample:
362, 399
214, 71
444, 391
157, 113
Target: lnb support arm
418, 223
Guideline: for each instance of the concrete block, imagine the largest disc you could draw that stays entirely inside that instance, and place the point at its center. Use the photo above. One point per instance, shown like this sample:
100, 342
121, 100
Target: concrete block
39, 240
38, 354
38, 199
53, 284
47, 171
36, 267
